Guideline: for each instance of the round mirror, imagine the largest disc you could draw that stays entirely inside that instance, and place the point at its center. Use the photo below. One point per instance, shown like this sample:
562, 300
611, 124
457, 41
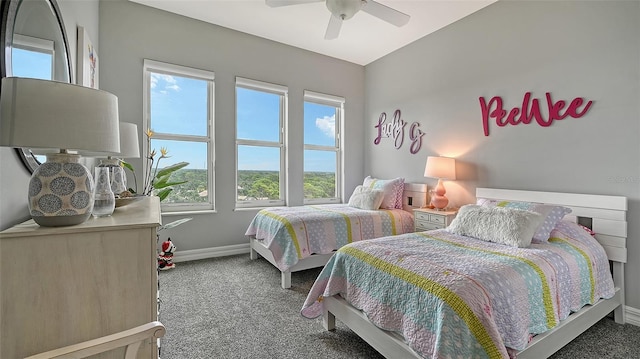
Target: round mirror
33, 44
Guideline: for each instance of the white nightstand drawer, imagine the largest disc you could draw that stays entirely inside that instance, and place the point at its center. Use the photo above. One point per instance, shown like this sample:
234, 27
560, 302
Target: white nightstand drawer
427, 226
426, 219
421, 216
436, 218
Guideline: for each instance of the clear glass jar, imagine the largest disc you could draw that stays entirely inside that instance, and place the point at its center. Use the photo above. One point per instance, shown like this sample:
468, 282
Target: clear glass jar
104, 201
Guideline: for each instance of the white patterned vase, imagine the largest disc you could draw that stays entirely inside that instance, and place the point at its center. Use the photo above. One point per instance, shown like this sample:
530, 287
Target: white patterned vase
61, 191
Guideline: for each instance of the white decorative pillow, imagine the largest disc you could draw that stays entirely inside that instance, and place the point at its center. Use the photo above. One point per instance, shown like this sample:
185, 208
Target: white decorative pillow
393, 190
366, 198
551, 214
512, 227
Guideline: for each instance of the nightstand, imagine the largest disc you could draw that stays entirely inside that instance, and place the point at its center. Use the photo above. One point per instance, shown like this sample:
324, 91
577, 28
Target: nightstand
426, 219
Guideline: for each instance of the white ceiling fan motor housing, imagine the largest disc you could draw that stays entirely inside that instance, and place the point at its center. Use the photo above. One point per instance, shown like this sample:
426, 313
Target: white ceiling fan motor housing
344, 9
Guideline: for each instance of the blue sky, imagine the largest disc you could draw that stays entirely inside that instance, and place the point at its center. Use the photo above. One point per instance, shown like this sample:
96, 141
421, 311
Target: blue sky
178, 106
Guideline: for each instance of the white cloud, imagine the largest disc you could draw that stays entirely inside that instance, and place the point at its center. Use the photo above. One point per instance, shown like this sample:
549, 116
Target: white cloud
327, 125
169, 82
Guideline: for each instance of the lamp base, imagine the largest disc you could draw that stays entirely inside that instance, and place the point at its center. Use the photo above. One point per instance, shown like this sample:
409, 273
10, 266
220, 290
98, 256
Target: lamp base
61, 191
60, 221
438, 199
439, 202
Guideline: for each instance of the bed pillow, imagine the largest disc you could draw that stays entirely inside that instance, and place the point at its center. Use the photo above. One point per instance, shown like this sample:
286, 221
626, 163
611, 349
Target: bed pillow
551, 214
392, 189
512, 227
366, 198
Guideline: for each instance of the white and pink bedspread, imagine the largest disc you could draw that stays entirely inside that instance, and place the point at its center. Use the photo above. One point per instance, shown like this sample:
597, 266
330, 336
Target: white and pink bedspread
294, 233
454, 296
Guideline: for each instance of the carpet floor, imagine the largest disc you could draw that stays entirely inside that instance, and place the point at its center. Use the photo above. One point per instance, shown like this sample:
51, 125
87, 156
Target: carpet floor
233, 307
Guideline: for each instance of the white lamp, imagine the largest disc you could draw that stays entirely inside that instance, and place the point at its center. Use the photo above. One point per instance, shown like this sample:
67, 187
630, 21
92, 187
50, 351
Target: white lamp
56, 115
440, 168
129, 148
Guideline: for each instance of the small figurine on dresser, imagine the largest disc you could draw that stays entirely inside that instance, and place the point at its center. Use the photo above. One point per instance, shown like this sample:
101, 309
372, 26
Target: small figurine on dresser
165, 258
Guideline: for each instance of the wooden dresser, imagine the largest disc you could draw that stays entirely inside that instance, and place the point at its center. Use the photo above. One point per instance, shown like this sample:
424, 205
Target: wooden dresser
64, 285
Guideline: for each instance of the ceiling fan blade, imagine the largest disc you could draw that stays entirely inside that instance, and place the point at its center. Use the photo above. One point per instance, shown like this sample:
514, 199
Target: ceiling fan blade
385, 13
278, 3
333, 29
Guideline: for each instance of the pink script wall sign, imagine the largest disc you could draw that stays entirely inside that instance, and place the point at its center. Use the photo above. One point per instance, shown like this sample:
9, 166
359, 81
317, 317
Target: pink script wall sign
493, 110
395, 128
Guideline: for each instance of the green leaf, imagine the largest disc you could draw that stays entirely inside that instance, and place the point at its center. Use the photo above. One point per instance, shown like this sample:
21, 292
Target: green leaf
170, 169
167, 184
164, 193
161, 182
127, 166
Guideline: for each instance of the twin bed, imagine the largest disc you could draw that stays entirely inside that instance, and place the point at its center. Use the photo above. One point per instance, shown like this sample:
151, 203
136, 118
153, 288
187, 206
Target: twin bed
436, 321
442, 294
303, 237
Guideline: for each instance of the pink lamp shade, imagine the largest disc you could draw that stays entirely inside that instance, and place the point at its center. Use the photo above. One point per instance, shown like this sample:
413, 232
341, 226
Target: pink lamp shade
440, 168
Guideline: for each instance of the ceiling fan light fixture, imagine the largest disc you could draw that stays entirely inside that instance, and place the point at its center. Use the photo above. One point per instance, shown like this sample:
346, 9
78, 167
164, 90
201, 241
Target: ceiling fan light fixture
344, 9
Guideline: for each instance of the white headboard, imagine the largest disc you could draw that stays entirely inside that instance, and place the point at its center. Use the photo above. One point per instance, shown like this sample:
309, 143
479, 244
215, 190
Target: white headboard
414, 196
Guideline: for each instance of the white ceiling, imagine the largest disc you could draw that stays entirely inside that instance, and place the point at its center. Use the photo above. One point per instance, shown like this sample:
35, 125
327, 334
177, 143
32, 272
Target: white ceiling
363, 38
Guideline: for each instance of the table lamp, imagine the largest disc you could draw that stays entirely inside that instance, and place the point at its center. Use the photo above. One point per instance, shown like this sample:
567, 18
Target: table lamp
440, 168
58, 116
129, 148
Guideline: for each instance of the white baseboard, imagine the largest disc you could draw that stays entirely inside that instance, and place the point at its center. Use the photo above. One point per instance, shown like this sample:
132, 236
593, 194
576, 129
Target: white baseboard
195, 254
632, 314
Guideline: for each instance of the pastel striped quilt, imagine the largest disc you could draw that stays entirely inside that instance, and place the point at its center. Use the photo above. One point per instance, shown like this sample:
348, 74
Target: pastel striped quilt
453, 296
294, 233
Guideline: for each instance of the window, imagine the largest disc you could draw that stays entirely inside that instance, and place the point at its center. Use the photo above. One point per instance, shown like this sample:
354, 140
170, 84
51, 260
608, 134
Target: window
322, 154
178, 103
260, 162
32, 57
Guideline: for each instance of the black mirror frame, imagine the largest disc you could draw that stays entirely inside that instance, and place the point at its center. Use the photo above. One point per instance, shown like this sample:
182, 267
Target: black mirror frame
8, 13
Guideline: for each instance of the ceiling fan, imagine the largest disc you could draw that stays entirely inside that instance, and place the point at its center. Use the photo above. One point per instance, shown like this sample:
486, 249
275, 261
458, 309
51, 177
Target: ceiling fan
345, 9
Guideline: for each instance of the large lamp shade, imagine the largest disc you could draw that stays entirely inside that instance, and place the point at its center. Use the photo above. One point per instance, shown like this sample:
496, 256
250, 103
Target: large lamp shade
55, 115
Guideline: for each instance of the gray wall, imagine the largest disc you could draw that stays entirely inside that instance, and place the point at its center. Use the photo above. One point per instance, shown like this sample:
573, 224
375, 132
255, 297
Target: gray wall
14, 178
571, 49
130, 33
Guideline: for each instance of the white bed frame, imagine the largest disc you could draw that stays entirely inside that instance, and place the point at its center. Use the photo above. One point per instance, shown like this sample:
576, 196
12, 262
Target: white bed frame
608, 219
413, 196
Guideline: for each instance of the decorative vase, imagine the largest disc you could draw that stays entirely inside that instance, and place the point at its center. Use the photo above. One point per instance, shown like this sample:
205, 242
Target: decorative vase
116, 175
104, 200
60, 191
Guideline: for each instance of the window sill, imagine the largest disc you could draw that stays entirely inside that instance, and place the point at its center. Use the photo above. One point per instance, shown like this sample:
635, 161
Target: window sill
188, 213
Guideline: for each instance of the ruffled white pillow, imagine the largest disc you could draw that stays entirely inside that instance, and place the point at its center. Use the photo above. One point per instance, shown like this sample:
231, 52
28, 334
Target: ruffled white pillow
366, 198
512, 227
551, 214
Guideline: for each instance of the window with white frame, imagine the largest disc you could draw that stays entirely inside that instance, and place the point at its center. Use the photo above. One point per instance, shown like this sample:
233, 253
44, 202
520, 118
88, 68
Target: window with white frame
260, 151
32, 57
322, 150
178, 103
